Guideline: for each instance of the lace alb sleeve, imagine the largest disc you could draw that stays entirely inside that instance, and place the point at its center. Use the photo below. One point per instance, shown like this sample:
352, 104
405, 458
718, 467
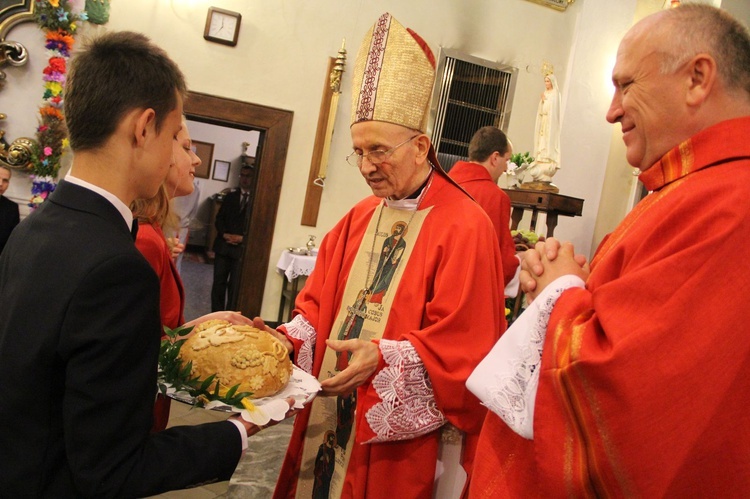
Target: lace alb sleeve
407, 408
300, 329
507, 379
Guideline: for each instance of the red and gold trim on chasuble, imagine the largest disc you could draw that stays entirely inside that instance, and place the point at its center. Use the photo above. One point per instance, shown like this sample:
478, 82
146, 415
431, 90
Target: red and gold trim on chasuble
584, 472
598, 471
675, 165
585, 421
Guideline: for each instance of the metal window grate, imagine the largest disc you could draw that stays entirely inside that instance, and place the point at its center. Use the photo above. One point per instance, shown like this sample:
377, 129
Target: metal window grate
469, 93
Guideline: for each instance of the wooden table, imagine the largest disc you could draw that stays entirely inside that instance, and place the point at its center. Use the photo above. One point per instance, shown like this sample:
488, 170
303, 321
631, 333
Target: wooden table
292, 268
548, 202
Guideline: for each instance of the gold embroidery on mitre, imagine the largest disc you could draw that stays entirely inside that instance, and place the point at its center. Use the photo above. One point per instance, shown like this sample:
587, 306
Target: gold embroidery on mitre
392, 77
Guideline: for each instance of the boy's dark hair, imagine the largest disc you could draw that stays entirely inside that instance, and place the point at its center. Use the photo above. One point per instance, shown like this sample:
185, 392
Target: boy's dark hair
115, 74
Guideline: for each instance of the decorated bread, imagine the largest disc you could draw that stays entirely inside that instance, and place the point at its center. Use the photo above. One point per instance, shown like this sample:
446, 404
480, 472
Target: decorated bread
238, 355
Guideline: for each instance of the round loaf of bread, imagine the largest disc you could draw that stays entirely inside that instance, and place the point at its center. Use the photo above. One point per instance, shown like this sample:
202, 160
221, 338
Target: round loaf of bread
238, 355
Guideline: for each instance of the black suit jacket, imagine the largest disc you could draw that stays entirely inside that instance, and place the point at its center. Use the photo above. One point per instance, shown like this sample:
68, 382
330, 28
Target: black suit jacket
79, 341
9, 218
231, 219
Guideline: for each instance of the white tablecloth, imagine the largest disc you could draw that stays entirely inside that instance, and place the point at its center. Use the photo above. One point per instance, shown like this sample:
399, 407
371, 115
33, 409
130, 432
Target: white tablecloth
293, 266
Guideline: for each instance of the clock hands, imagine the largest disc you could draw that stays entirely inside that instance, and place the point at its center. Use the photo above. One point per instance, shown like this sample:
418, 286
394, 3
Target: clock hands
223, 27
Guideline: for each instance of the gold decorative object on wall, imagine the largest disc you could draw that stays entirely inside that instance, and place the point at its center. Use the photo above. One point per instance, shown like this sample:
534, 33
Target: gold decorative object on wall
555, 4
335, 85
13, 12
17, 154
12, 53
321, 149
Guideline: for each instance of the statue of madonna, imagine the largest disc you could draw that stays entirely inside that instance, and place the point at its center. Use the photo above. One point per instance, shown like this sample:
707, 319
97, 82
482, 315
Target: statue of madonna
546, 135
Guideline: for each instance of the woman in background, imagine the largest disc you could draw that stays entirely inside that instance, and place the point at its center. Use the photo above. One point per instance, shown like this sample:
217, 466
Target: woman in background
155, 217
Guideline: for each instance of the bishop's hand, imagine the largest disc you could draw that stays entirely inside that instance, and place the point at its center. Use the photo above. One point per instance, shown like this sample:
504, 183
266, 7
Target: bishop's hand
364, 361
260, 324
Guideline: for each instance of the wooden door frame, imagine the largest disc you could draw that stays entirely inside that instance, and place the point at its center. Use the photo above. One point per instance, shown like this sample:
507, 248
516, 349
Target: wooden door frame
275, 126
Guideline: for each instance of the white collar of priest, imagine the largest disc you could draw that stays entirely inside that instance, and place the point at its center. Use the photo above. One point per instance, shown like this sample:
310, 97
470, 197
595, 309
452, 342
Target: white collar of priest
411, 203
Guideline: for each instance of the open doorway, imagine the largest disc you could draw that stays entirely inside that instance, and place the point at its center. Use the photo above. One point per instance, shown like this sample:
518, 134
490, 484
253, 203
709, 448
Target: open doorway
274, 126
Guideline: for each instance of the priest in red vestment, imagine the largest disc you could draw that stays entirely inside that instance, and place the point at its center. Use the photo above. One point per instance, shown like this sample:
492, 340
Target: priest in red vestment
645, 359
489, 152
410, 280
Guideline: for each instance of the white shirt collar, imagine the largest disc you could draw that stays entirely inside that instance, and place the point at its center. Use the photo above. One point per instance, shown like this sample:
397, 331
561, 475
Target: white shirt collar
403, 204
124, 210
409, 204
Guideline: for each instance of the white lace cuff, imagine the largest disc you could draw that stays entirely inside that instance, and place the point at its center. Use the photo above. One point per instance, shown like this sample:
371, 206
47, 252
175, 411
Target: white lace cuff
407, 408
300, 329
506, 381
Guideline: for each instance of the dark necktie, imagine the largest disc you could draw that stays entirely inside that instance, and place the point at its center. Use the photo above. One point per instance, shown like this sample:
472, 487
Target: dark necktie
243, 203
134, 228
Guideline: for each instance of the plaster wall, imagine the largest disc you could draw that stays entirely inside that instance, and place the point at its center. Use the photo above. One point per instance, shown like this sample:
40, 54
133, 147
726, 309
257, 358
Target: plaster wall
281, 59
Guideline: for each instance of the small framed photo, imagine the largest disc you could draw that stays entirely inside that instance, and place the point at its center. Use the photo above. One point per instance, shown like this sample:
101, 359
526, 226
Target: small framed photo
221, 170
205, 151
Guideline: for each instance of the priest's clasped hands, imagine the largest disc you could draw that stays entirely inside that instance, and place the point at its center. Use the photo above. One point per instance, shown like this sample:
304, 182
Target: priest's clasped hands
549, 260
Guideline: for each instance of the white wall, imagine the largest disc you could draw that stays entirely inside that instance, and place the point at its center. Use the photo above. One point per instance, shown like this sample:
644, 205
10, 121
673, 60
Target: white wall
587, 94
738, 8
281, 58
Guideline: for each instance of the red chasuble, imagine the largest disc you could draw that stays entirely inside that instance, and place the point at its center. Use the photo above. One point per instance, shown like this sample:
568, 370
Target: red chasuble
644, 383
447, 307
476, 180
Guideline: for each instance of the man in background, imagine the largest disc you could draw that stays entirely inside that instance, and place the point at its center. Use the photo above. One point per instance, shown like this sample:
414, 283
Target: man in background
9, 216
489, 152
231, 227
645, 359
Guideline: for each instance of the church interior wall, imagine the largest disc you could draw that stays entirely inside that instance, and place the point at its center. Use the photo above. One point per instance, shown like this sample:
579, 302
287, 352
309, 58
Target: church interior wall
281, 58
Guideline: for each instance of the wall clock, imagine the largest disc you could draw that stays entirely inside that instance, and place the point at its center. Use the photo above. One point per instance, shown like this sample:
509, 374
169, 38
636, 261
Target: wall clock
222, 26
555, 4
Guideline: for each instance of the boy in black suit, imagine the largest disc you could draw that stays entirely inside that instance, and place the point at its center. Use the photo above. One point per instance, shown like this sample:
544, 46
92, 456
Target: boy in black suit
79, 325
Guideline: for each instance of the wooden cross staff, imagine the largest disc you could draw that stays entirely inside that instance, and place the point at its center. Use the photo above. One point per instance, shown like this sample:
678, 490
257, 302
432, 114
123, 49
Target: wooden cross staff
319, 164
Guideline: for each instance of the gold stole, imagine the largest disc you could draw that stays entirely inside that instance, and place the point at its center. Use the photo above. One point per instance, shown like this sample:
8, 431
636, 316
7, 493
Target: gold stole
365, 307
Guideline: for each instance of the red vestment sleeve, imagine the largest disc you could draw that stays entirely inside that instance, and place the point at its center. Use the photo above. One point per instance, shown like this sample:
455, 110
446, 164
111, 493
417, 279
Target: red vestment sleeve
643, 386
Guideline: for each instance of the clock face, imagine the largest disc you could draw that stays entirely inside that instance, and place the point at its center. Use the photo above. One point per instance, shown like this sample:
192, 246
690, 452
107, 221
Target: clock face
222, 26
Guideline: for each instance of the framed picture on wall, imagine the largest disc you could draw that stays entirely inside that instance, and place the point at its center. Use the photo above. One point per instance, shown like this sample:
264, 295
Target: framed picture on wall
221, 170
555, 4
205, 151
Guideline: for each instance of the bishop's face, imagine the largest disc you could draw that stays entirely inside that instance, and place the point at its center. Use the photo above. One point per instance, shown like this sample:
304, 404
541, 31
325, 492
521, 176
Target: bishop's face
404, 168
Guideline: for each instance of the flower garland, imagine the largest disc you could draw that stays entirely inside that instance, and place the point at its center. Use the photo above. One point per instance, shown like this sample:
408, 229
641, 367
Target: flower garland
58, 21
